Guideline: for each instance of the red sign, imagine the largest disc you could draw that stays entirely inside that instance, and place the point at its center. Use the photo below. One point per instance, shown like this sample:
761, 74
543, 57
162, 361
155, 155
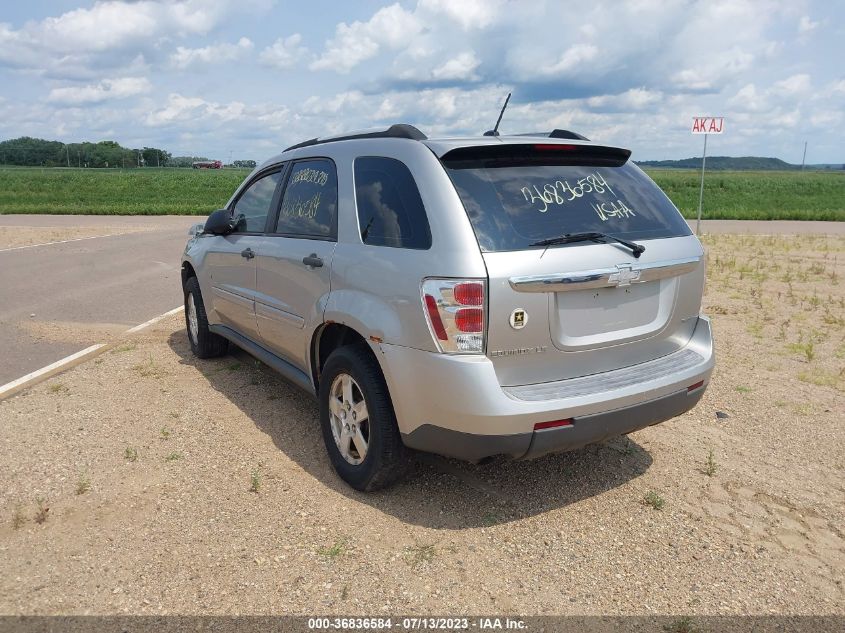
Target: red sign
708, 125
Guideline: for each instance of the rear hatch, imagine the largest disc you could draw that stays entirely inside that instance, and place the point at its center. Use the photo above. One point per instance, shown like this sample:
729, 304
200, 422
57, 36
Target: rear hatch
558, 311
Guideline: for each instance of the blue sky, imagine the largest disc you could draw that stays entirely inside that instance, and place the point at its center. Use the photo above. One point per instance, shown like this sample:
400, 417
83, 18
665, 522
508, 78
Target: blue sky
246, 78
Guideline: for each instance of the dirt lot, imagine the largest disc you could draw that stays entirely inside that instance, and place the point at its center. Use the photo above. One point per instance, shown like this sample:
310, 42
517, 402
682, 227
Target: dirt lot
126, 485
15, 237
27, 230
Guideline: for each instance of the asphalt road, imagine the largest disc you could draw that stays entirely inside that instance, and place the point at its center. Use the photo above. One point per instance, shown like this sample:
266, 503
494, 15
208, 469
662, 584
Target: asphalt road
58, 299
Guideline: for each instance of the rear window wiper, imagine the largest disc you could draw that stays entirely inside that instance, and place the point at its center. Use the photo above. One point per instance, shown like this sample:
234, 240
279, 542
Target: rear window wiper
591, 236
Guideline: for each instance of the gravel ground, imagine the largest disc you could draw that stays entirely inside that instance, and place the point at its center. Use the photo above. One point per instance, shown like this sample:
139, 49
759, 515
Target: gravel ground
17, 236
143, 461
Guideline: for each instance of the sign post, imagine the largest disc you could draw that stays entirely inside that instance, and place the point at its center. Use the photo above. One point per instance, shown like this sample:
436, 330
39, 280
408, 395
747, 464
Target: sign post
705, 125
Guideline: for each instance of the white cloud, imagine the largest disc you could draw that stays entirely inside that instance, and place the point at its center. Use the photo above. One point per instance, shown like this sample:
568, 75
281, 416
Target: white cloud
710, 73
806, 25
182, 109
794, 85
120, 88
332, 104
748, 99
470, 14
572, 60
105, 34
633, 99
284, 53
391, 27
185, 57
827, 118
461, 67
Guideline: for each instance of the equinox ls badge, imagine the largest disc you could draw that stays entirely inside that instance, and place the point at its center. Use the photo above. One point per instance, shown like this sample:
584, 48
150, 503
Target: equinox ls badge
519, 351
625, 275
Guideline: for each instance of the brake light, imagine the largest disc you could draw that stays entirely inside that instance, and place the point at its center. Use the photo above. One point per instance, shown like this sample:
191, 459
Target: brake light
469, 294
552, 147
454, 311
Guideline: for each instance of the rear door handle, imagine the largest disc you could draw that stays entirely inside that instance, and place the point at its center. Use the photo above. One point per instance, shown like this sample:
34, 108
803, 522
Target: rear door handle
248, 253
313, 261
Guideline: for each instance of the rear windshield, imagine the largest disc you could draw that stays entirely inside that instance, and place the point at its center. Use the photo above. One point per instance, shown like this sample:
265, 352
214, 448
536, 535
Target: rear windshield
513, 206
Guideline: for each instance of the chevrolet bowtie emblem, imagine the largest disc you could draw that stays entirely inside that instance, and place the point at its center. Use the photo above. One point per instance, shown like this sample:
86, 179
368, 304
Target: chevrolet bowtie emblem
625, 275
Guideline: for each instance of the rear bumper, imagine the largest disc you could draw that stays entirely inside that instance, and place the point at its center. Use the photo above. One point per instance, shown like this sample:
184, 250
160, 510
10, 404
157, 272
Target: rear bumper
454, 405
583, 430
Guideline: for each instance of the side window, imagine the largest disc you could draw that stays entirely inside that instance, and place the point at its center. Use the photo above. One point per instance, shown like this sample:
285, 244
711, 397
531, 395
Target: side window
250, 212
309, 205
390, 209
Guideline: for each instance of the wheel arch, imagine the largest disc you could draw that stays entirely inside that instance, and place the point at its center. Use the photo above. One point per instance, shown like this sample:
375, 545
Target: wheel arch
330, 336
188, 271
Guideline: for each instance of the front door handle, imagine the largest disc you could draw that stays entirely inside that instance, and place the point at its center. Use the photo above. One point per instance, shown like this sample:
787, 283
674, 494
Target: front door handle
248, 253
313, 261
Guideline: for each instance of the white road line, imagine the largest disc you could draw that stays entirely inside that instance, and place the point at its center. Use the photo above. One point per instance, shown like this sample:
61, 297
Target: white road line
40, 372
154, 320
76, 239
32, 377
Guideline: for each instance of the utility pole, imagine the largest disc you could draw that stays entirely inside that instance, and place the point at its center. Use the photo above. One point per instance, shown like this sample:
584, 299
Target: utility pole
804, 157
67, 153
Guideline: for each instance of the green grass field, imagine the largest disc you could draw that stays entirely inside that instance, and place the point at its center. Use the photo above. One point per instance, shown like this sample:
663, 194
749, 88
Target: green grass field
727, 195
757, 195
116, 191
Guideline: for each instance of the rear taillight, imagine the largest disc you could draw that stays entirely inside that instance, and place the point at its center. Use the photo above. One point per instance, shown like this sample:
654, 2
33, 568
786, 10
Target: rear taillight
454, 310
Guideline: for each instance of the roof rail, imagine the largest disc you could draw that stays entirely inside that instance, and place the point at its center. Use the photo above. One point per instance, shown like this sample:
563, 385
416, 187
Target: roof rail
557, 133
398, 130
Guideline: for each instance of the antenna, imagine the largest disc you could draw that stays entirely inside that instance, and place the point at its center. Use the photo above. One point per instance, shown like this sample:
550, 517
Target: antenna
495, 130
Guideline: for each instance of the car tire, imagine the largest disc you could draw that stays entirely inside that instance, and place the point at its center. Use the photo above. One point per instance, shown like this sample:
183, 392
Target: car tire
352, 376
204, 343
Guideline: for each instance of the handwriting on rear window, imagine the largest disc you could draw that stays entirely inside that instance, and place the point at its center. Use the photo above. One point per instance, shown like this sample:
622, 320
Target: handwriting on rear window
560, 192
611, 209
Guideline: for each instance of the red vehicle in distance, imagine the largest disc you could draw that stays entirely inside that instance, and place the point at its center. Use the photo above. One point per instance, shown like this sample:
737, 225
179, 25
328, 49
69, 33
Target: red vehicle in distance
207, 164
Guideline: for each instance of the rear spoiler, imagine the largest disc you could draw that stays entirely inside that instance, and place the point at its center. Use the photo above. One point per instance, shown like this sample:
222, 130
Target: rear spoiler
519, 154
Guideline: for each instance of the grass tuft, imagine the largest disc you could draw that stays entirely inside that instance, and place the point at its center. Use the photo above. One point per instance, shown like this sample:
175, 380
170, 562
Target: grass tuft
18, 518
711, 466
83, 484
654, 500
418, 555
41, 511
255, 481
337, 549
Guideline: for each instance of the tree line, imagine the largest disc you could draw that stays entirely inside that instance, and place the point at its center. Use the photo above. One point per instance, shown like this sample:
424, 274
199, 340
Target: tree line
36, 152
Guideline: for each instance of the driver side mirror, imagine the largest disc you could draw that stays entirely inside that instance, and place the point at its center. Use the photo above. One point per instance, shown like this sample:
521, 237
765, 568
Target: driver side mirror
219, 222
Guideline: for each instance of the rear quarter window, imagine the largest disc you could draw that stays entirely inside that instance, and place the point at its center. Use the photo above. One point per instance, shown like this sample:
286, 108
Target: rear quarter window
390, 208
513, 206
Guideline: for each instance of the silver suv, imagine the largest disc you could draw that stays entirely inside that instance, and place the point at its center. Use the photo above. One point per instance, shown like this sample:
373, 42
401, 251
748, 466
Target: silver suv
472, 297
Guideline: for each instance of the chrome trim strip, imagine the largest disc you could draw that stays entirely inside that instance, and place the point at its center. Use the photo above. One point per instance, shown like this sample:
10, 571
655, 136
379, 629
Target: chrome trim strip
599, 384
620, 275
